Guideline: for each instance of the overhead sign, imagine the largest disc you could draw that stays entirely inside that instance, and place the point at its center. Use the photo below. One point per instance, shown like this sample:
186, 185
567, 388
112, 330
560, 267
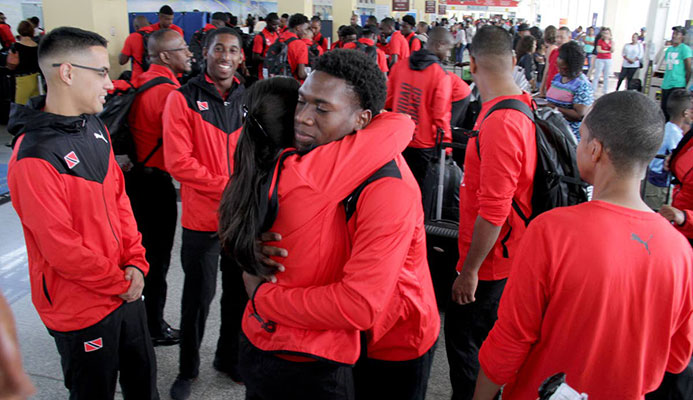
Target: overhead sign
400, 5
485, 3
430, 6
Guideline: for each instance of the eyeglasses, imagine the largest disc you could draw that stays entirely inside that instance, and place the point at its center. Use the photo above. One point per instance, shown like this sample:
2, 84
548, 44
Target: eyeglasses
247, 114
103, 71
178, 49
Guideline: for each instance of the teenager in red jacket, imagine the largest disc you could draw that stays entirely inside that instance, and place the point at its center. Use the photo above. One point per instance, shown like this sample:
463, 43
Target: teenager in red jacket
393, 42
200, 119
318, 38
86, 260
368, 40
133, 48
6, 36
615, 314
148, 184
263, 41
297, 49
489, 228
421, 88
408, 29
166, 20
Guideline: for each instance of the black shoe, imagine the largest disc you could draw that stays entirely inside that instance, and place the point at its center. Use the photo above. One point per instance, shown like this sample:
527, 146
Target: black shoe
181, 388
168, 337
229, 370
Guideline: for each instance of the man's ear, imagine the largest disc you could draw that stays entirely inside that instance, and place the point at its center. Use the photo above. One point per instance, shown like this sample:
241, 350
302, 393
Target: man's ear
66, 73
472, 65
363, 118
596, 150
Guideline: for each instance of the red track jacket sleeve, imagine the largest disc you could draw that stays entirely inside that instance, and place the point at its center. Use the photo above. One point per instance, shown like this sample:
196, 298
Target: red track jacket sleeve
178, 148
49, 219
441, 109
381, 242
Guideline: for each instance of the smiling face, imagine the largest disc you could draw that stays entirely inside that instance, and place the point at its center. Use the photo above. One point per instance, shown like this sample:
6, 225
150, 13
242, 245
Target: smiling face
89, 88
165, 21
272, 25
327, 110
223, 56
176, 54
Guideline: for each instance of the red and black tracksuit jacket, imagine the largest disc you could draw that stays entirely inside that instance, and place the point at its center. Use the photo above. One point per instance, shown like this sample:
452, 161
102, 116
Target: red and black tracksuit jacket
78, 225
199, 141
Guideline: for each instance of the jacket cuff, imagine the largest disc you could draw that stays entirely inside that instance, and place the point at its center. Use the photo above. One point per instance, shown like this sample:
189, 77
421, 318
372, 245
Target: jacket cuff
137, 268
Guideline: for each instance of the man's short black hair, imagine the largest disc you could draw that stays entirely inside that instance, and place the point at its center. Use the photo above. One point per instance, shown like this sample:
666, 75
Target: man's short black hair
220, 16
285, 15
566, 30
211, 35
316, 18
679, 29
491, 40
574, 57
34, 20
679, 101
297, 19
388, 21
166, 10
370, 30
409, 20
233, 20
630, 126
348, 31
360, 72
68, 39
272, 17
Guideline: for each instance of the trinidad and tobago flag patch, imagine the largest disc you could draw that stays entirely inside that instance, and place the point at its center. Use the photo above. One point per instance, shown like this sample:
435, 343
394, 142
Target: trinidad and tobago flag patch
202, 105
71, 159
93, 345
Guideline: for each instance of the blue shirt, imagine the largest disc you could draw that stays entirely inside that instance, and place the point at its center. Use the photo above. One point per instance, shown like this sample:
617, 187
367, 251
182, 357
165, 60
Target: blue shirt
672, 136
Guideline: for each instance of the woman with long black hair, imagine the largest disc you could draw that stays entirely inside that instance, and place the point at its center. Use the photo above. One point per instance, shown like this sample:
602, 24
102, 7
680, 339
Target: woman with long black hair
299, 195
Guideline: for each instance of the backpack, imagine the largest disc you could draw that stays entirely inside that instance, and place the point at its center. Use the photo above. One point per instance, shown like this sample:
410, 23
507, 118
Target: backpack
197, 43
313, 55
145, 50
390, 169
557, 180
277, 59
371, 51
115, 116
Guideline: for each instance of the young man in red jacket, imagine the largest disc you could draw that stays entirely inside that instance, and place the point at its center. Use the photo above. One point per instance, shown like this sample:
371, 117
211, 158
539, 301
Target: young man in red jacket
500, 173
197, 41
297, 49
86, 260
133, 48
386, 287
408, 29
368, 41
263, 41
614, 314
166, 20
6, 36
393, 42
148, 184
318, 38
199, 119
421, 88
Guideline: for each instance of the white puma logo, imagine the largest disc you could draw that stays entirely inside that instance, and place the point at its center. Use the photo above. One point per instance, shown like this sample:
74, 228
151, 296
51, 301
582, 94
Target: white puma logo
635, 237
100, 136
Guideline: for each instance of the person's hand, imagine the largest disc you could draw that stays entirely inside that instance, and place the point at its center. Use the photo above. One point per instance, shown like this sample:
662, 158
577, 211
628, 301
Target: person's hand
674, 215
266, 251
14, 382
251, 283
464, 287
136, 279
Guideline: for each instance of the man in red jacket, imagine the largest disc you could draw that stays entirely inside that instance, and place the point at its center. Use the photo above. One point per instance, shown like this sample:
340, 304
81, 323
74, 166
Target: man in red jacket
263, 41
421, 88
367, 42
199, 119
408, 29
386, 289
148, 184
318, 38
166, 20
393, 42
500, 173
614, 314
6, 36
86, 260
133, 48
299, 62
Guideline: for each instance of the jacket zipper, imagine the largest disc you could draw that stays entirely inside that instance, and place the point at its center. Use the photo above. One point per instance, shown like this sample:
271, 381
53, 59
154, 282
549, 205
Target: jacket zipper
108, 216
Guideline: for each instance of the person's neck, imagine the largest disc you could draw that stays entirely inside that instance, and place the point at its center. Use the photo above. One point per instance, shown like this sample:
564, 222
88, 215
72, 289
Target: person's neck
681, 123
168, 67
493, 86
26, 40
60, 104
620, 190
223, 86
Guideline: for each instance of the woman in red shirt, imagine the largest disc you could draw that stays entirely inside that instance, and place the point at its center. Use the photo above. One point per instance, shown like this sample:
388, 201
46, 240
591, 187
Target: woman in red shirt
605, 47
680, 212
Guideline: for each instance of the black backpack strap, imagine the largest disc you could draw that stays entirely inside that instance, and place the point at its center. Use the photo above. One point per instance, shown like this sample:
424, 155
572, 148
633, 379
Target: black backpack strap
389, 170
263, 41
148, 85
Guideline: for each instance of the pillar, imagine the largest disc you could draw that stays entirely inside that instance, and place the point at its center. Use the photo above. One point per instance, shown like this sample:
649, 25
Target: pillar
304, 7
109, 18
341, 14
624, 17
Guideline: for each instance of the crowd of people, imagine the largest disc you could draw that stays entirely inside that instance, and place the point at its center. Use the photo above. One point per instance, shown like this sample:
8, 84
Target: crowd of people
301, 168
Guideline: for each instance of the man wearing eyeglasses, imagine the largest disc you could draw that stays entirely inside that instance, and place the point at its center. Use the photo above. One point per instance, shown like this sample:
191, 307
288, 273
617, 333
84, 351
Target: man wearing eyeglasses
148, 184
200, 123
86, 260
